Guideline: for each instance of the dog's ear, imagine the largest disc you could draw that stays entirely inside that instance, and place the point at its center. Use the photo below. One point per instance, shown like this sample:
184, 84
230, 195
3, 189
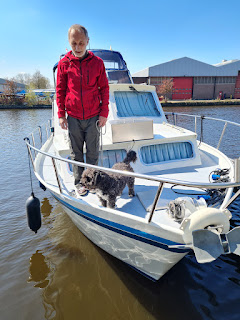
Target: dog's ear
97, 177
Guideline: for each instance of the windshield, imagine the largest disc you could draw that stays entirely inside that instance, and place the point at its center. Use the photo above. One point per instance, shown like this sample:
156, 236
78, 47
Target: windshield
118, 77
112, 59
136, 104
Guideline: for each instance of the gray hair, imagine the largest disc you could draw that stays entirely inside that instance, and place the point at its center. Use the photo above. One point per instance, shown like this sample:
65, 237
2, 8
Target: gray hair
77, 27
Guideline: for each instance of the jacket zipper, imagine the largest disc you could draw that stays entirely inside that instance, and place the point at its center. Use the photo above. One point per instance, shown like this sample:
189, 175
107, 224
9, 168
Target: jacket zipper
81, 87
87, 73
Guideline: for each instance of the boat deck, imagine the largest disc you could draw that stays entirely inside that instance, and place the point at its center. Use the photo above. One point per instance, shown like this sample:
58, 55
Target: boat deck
145, 190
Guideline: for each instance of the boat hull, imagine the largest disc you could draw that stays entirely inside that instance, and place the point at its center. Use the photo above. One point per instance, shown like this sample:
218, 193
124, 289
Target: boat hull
151, 258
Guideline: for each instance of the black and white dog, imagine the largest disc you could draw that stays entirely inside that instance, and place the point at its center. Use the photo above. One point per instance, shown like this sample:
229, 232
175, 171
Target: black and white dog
109, 186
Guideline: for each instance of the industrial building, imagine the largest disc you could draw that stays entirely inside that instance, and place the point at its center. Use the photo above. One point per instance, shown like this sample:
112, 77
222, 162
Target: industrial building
3, 85
193, 79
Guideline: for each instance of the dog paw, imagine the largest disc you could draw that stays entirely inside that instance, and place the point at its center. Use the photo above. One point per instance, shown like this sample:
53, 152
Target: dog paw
111, 206
104, 204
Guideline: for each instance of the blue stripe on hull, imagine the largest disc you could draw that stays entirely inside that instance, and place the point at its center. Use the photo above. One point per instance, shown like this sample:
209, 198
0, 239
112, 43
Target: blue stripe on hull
124, 230
141, 272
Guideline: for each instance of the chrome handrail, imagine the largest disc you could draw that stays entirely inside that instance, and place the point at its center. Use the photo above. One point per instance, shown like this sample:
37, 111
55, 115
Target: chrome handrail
174, 114
197, 116
222, 185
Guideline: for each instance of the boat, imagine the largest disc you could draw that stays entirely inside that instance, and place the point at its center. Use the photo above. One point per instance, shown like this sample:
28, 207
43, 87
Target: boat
183, 186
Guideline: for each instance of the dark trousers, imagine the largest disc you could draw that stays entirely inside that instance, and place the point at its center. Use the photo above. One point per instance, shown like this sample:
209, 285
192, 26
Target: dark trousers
81, 131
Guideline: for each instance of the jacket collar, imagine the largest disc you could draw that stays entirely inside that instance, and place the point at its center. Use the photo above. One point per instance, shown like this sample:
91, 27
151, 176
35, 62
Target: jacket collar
71, 56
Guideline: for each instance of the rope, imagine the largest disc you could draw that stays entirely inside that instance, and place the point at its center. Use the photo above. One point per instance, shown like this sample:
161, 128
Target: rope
30, 172
99, 129
132, 145
188, 193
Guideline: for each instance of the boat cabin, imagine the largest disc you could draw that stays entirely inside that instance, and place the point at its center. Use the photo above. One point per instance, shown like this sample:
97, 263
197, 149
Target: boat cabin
136, 121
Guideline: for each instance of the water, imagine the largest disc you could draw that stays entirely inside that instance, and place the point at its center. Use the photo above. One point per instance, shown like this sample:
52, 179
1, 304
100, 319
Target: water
59, 274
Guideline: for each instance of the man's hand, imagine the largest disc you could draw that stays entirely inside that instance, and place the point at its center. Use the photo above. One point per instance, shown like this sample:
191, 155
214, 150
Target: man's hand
63, 123
102, 121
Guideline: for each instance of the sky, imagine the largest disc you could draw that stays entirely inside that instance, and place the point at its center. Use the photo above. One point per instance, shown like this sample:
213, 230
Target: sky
33, 34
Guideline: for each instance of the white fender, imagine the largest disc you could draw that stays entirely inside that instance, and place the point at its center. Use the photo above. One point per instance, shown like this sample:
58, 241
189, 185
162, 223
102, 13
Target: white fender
203, 218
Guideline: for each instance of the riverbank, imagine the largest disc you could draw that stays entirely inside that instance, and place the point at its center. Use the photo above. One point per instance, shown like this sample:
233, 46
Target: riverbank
23, 107
195, 103
169, 103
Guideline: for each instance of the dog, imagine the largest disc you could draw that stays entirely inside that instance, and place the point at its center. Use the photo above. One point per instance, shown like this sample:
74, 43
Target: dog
109, 186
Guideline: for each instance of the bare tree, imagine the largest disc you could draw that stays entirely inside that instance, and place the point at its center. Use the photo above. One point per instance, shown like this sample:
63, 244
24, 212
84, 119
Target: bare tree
10, 90
165, 88
24, 78
10, 87
38, 81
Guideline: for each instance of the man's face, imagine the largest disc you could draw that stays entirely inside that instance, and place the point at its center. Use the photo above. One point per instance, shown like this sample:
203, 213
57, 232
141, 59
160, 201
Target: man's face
78, 43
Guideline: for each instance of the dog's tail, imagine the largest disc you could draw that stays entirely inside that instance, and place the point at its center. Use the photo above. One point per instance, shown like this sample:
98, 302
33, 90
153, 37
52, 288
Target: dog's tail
130, 157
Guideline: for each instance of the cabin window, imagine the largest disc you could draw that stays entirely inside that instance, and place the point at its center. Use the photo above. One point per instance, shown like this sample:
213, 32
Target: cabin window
166, 152
118, 76
112, 60
136, 104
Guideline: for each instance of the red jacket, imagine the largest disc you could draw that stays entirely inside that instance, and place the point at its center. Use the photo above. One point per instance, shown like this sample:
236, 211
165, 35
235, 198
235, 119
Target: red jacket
82, 87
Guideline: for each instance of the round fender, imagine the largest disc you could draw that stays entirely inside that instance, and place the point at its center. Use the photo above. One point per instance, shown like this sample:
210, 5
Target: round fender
203, 218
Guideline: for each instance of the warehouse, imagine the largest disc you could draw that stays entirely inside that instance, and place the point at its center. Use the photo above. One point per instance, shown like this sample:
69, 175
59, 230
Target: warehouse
193, 79
4, 85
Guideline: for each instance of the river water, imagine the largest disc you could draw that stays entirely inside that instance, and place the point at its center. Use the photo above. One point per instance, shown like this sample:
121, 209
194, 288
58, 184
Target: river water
59, 274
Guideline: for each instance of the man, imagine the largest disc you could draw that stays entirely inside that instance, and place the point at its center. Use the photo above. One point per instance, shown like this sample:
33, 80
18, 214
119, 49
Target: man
83, 93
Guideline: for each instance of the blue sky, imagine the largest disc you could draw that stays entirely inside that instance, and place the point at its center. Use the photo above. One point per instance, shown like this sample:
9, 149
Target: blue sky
34, 33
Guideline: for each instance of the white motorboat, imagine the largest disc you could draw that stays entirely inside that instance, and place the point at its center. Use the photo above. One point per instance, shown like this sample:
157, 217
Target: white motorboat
183, 186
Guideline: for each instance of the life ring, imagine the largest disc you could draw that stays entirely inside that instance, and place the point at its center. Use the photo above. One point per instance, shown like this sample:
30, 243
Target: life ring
203, 218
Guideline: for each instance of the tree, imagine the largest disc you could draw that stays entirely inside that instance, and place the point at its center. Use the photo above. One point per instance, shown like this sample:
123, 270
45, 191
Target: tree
48, 99
24, 78
10, 87
165, 88
38, 81
30, 97
10, 90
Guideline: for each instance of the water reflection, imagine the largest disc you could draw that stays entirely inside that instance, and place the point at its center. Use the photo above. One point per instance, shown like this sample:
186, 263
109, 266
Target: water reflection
46, 207
38, 270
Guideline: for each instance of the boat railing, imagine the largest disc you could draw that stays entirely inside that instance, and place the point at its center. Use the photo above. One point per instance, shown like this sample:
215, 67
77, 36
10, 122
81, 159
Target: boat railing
45, 132
175, 118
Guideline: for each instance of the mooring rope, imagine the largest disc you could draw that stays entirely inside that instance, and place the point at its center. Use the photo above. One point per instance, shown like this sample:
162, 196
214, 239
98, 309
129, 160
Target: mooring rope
30, 172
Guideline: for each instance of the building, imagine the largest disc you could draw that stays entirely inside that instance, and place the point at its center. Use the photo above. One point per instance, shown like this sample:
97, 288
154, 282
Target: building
193, 79
3, 82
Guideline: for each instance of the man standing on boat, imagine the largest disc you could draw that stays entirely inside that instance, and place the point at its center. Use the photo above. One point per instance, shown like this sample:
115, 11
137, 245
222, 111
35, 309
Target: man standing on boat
83, 93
